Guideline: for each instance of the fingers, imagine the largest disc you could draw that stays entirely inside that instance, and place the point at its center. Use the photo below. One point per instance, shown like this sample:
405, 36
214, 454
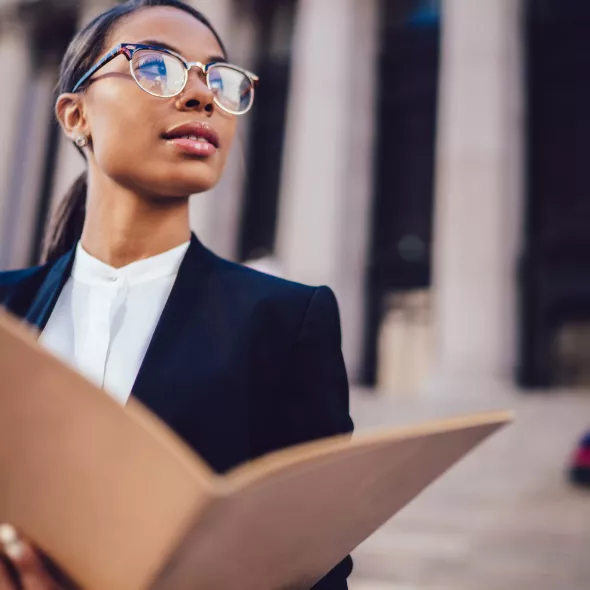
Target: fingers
25, 561
6, 579
8, 575
30, 568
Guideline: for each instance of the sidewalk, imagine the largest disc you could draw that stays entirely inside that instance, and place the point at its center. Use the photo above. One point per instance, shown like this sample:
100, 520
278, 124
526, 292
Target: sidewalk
504, 518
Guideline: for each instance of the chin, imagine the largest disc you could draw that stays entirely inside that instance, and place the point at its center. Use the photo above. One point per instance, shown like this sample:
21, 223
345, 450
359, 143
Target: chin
197, 187
179, 186
197, 178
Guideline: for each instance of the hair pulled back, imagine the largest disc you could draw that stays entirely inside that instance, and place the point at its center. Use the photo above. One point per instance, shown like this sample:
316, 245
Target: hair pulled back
85, 49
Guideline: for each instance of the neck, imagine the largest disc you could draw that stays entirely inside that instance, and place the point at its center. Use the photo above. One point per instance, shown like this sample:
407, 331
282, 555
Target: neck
122, 226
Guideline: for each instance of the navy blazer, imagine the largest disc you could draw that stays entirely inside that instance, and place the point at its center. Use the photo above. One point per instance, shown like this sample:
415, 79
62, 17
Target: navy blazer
240, 363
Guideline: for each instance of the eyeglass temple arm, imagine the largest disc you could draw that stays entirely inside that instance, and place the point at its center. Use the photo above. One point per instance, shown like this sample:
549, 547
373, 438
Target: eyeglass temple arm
250, 75
105, 60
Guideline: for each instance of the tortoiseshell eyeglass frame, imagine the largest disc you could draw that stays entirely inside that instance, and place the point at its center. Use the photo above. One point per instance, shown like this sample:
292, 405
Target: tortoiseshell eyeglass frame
129, 49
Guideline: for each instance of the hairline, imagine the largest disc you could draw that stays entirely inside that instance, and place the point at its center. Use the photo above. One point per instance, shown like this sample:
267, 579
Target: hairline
108, 43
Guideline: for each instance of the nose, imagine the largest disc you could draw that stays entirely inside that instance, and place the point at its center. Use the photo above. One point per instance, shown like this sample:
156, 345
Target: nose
196, 95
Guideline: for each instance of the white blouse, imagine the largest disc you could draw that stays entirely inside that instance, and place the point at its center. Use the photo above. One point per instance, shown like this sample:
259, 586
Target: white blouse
105, 317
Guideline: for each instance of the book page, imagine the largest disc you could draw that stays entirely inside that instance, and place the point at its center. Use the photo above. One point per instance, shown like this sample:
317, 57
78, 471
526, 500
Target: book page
289, 518
105, 492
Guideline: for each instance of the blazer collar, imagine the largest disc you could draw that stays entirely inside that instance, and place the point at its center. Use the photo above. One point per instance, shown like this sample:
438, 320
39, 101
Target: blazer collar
47, 296
184, 375
186, 293
174, 374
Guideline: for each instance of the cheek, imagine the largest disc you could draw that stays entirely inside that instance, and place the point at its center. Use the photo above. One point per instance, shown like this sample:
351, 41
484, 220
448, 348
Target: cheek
122, 135
128, 147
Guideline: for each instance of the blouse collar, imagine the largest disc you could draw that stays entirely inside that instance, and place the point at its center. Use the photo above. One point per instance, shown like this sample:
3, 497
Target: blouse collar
88, 269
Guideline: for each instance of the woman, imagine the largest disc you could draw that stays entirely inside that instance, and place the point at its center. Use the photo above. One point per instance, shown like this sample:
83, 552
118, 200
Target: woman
236, 362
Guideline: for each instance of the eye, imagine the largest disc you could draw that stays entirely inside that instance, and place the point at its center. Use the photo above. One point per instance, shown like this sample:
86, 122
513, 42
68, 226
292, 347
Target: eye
152, 66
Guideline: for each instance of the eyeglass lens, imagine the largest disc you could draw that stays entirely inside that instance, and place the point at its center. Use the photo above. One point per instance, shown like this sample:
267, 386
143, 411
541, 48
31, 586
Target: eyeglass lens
232, 89
158, 73
164, 75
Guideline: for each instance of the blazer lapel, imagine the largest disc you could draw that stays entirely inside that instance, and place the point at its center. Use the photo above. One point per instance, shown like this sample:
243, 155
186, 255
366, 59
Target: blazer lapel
187, 375
47, 296
190, 377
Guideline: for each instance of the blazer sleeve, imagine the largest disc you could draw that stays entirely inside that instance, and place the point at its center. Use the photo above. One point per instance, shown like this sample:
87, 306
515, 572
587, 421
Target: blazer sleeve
320, 379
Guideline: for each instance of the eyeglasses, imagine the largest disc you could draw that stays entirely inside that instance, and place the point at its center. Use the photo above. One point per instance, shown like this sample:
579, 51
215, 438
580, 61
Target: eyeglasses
164, 73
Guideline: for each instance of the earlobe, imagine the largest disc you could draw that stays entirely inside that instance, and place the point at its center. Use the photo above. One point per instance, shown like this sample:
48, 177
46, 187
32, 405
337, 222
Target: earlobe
69, 110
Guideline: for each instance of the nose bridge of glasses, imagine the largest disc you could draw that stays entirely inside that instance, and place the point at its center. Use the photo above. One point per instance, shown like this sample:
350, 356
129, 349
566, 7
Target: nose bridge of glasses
197, 64
201, 71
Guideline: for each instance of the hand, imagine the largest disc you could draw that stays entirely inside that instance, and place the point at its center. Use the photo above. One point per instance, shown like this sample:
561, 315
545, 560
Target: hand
22, 566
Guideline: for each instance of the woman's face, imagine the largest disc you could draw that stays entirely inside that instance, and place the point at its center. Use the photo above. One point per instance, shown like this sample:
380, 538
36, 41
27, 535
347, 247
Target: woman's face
127, 126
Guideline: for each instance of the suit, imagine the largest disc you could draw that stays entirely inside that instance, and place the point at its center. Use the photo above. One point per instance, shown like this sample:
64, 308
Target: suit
240, 363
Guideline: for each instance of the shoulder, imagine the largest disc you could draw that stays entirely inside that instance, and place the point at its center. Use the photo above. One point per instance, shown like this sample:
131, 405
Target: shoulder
275, 293
259, 281
12, 278
15, 280
17, 287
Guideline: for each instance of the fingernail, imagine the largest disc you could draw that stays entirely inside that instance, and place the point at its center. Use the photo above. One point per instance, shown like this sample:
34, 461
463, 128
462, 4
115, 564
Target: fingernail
8, 534
15, 550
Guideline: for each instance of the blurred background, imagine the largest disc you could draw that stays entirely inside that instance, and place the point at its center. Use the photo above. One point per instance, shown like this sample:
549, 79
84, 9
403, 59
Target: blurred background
427, 159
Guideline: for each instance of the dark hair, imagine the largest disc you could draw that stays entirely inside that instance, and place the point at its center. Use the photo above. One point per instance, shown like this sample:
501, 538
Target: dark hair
65, 226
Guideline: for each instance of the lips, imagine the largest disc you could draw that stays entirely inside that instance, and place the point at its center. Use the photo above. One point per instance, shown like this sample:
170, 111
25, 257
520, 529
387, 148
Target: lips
195, 138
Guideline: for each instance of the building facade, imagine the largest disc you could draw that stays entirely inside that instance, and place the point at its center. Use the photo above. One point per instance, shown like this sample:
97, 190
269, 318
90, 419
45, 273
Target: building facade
386, 156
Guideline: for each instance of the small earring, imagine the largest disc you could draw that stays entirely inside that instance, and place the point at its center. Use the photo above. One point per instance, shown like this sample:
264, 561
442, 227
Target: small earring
81, 141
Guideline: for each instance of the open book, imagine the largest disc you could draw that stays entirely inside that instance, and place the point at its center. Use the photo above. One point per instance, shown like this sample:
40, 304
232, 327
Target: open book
120, 503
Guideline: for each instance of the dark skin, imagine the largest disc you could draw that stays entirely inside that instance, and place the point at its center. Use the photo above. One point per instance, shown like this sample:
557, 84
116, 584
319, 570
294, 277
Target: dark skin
138, 184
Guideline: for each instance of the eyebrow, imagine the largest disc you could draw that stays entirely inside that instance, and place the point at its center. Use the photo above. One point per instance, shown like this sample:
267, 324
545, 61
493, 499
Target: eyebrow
156, 43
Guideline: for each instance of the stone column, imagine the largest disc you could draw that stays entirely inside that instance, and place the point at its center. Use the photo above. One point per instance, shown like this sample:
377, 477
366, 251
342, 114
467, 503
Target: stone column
327, 168
479, 192
29, 155
70, 164
14, 55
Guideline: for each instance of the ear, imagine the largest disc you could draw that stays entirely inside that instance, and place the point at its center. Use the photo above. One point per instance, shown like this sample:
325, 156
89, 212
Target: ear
69, 110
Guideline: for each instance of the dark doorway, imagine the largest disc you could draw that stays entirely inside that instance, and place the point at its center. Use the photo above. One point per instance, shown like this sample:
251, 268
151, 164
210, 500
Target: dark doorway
555, 269
400, 258
53, 24
274, 21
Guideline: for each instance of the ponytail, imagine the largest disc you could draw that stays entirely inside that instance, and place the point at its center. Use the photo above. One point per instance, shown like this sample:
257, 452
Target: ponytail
65, 227
86, 48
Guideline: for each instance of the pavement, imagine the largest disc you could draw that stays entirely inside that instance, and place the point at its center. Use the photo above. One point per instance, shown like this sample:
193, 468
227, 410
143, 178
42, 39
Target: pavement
504, 518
